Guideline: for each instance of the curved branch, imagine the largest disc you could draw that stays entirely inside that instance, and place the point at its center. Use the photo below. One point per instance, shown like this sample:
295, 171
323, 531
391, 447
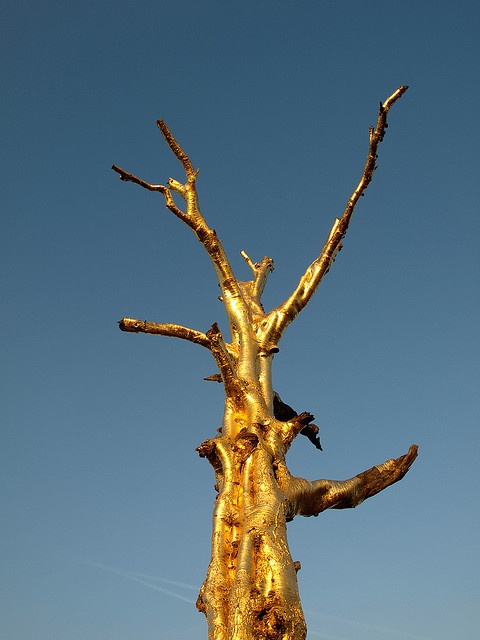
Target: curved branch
284, 314
308, 498
133, 325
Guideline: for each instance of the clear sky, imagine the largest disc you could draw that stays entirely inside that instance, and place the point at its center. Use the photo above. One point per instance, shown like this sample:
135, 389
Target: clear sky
106, 507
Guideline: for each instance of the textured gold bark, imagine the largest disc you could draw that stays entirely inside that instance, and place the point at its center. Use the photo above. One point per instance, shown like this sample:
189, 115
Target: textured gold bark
251, 591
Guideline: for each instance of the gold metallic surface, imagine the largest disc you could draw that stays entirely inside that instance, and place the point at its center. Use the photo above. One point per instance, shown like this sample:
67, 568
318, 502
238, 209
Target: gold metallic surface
251, 590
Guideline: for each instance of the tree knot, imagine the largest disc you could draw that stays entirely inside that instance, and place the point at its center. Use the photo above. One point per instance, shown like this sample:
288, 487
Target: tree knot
245, 443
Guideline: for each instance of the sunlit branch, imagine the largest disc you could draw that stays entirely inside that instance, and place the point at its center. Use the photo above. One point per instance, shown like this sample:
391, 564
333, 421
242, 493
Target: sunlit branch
251, 588
261, 271
308, 498
293, 427
284, 314
226, 365
237, 310
133, 325
296, 423
169, 202
177, 150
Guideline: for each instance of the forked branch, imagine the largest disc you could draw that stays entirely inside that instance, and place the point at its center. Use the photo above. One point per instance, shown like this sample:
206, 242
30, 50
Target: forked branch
261, 271
284, 314
193, 217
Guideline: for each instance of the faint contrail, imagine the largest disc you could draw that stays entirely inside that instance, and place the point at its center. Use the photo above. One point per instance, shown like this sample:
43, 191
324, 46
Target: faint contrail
147, 580
141, 579
327, 636
183, 585
373, 627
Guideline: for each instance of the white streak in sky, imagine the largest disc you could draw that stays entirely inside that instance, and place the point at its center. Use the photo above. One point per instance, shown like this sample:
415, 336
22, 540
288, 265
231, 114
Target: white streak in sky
372, 627
146, 581
326, 636
172, 582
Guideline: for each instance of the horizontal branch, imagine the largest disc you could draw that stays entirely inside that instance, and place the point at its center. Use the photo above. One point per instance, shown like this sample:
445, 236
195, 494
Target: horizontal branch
171, 330
285, 313
308, 498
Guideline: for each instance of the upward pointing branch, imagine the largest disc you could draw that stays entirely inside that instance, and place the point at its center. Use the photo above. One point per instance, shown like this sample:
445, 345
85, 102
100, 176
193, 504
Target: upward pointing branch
284, 314
177, 150
232, 297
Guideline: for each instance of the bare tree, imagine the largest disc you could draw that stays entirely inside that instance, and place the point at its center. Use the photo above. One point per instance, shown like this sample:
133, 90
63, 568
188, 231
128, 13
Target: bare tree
251, 589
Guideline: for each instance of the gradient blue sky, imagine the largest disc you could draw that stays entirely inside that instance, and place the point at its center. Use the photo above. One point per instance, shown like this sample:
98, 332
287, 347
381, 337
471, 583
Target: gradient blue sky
106, 506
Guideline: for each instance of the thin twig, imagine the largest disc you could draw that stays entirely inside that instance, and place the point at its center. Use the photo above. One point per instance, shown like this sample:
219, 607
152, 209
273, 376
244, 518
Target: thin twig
169, 202
376, 136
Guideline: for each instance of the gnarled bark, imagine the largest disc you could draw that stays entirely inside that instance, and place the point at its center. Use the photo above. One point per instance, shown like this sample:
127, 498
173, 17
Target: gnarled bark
251, 589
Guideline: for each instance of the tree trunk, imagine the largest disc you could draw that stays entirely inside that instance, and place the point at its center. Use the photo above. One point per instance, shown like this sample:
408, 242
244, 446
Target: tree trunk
251, 586
251, 589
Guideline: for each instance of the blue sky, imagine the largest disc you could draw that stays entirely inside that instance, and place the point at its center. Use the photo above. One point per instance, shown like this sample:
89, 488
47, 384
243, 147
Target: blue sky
107, 508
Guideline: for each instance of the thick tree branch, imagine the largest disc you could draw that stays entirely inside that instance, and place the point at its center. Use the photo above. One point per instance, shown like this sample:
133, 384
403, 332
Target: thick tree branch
251, 588
236, 308
308, 498
261, 271
233, 386
284, 314
133, 325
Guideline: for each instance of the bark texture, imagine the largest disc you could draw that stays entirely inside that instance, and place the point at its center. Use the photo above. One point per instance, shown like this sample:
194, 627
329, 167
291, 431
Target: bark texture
251, 591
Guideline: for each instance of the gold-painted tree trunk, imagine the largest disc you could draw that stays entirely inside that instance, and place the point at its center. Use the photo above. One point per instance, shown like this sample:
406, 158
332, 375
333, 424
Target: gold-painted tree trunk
251, 589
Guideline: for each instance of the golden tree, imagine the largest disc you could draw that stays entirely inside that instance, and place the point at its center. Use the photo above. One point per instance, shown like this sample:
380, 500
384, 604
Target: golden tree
251, 591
